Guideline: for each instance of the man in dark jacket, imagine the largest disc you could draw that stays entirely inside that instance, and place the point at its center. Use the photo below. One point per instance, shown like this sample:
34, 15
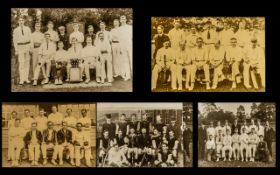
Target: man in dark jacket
187, 139
109, 126
64, 140
49, 142
202, 138
269, 136
33, 140
262, 151
235, 125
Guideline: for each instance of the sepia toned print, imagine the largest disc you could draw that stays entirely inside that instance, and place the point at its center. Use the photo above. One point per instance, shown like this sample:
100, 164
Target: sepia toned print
48, 134
208, 54
144, 135
237, 135
71, 49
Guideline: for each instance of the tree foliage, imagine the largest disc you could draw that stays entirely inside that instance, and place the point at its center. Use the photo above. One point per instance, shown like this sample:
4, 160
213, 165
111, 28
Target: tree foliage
63, 16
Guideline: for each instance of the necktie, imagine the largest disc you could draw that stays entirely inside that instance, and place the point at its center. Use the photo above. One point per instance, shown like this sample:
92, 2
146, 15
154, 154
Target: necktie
208, 34
22, 31
74, 49
47, 45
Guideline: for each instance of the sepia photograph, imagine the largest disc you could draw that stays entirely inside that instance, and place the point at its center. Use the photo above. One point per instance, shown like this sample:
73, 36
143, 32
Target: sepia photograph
48, 134
71, 49
237, 134
208, 54
144, 135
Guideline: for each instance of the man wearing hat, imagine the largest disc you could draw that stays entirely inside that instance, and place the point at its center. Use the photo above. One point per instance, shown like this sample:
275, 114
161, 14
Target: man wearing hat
164, 61
78, 35
37, 38
22, 44
200, 61
53, 34
63, 37
109, 126
46, 53
254, 62
176, 34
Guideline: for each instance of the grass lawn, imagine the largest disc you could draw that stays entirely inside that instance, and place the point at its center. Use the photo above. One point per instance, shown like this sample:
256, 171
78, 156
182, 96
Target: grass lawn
224, 86
237, 164
26, 163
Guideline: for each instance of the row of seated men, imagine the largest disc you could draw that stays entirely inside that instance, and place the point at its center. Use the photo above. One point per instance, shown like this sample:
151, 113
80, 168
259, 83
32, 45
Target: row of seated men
130, 145
231, 62
38, 144
243, 143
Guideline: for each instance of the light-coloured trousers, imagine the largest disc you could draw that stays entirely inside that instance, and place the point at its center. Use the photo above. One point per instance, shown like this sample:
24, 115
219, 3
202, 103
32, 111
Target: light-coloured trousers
34, 151
63, 146
43, 64
235, 150
242, 148
24, 62
106, 60
87, 153
117, 59
85, 67
45, 147
252, 150
205, 68
157, 69
227, 148
247, 73
217, 72
35, 55
179, 70
219, 150
15, 148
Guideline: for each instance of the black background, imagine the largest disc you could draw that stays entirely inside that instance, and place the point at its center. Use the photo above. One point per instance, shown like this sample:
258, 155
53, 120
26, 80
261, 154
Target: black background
142, 12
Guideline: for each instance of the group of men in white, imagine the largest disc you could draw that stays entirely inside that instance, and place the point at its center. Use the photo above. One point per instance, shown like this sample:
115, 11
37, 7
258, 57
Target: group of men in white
109, 53
244, 143
53, 135
218, 45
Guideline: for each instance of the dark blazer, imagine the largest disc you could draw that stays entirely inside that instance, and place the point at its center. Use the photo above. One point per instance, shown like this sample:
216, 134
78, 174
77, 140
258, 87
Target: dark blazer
46, 134
269, 135
238, 126
202, 135
64, 135
28, 137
